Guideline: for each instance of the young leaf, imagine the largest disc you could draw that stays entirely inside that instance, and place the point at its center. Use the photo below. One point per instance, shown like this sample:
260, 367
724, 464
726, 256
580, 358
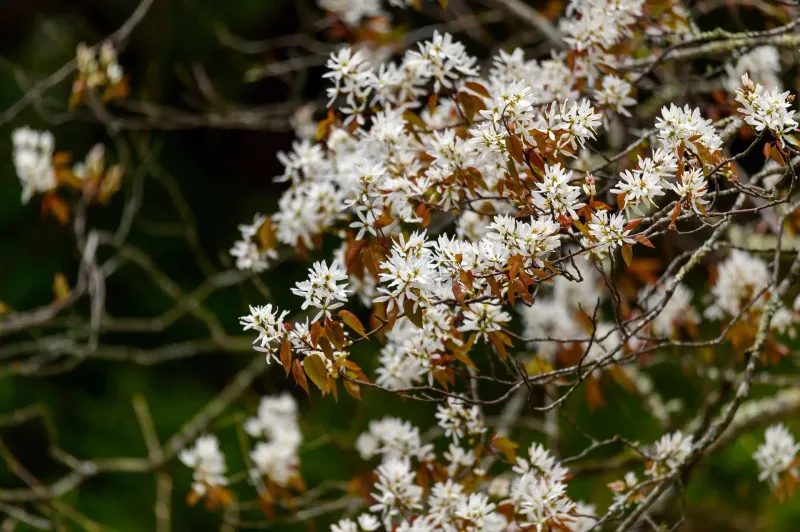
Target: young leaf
315, 369
353, 322
414, 315
286, 356
507, 447
60, 287
299, 375
627, 254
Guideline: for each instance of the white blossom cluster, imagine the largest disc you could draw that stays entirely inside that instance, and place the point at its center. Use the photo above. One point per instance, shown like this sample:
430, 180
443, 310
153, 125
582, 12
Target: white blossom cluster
777, 454
276, 422
464, 197
767, 109
354, 12
762, 64
532, 495
246, 251
101, 68
33, 161
274, 456
208, 463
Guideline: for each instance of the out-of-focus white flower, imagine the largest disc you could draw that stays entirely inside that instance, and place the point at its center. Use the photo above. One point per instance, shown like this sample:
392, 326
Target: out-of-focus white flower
740, 278
669, 453
615, 94
776, 455
277, 457
208, 463
459, 420
762, 64
33, 161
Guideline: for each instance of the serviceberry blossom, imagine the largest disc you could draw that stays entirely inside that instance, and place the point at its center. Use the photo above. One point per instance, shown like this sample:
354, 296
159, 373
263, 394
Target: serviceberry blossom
208, 463
348, 70
396, 489
351, 12
98, 69
323, 289
579, 123
277, 422
615, 94
449, 193
484, 318
479, 515
459, 420
762, 64
684, 124
639, 187
741, 281
609, 230
777, 454
268, 322
249, 252
767, 109
555, 194
33, 161
390, 438
672, 311
692, 189
669, 453
444, 60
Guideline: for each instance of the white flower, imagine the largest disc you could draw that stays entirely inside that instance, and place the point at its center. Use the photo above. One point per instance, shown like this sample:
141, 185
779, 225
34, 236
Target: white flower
246, 250
767, 109
740, 278
408, 272
207, 461
555, 194
443, 59
396, 489
277, 421
33, 161
762, 64
609, 231
615, 93
776, 455
676, 311
351, 12
444, 499
345, 525
478, 512
368, 522
323, 290
392, 438
670, 452
692, 188
348, 71
541, 463
459, 420
638, 187
484, 318
678, 125
269, 325
459, 459
579, 122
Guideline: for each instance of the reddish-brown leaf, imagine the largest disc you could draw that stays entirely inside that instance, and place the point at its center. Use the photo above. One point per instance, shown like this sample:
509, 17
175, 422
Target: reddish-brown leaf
353, 322
299, 375
286, 356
